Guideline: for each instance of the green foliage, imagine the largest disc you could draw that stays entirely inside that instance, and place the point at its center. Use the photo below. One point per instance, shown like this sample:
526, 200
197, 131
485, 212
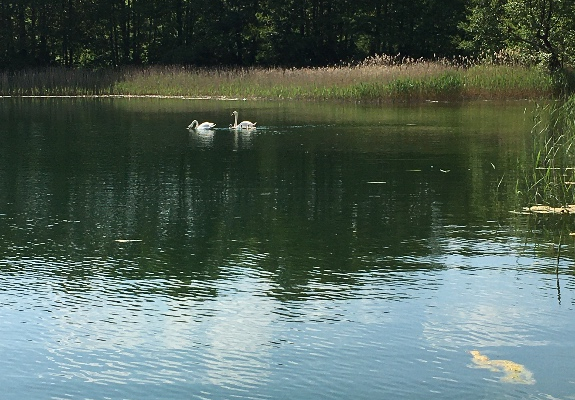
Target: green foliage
284, 33
484, 31
543, 28
297, 33
540, 31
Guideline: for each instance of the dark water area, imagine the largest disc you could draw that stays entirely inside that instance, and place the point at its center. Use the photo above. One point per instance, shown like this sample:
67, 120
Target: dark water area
337, 251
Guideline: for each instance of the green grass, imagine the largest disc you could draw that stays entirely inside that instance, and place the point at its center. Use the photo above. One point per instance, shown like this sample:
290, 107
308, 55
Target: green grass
374, 80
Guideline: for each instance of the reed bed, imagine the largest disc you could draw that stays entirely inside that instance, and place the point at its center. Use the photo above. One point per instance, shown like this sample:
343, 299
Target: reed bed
379, 78
57, 81
549, 179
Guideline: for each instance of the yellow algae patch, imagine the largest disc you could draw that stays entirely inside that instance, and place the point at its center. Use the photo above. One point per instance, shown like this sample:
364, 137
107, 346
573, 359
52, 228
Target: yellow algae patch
541, 209
513, 372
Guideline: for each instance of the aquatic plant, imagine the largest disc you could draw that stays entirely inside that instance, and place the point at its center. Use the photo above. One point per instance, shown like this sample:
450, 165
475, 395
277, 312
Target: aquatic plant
378, 78
549, 179
512, 371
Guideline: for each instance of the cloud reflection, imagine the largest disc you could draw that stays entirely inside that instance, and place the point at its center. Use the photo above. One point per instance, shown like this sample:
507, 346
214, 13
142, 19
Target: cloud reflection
101, 334
237, 352
483, 311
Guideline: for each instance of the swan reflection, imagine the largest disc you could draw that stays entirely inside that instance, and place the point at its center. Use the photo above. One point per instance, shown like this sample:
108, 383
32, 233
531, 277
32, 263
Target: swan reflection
202, 138
243, 139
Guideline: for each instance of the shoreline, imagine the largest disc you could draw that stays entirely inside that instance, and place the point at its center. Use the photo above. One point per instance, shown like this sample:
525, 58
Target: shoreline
226, 98
95, 96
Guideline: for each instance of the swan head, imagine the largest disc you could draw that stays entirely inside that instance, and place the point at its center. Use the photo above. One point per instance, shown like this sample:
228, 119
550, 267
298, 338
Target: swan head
235, 113
193, 124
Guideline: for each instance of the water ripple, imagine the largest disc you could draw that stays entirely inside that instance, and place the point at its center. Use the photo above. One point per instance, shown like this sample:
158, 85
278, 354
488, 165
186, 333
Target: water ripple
232, 334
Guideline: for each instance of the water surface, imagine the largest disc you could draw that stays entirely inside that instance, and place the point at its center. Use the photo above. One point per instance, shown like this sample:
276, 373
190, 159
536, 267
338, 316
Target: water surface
338, 251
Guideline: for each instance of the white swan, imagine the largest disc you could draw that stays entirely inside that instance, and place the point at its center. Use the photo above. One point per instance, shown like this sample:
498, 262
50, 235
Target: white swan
243, 124
202, 126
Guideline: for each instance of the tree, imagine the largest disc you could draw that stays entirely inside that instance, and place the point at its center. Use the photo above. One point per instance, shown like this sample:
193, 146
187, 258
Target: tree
541, 30
99, 33
484, 27
544, 28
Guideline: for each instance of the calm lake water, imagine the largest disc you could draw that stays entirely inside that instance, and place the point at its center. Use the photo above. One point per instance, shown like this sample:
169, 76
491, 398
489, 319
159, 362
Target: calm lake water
337, 252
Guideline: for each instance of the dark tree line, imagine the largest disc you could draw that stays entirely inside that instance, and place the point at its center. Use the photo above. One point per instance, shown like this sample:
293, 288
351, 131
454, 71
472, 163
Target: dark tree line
98, 33
215, 32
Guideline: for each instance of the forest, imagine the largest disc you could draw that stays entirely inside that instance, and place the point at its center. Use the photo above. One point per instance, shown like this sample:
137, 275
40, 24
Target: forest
279, 33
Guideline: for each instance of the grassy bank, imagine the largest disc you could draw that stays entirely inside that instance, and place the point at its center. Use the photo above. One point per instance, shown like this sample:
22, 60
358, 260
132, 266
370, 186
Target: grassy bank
372, 80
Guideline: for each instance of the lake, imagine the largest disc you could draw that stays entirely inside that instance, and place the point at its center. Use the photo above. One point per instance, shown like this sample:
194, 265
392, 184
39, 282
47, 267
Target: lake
339, 251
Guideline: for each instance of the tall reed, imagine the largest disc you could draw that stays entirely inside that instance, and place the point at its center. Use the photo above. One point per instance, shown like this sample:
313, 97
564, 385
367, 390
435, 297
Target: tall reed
379, 78
550, 177
57, 81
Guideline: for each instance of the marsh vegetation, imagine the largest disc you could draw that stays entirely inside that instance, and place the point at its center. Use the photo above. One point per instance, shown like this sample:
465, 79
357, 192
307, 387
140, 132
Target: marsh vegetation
381, 78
